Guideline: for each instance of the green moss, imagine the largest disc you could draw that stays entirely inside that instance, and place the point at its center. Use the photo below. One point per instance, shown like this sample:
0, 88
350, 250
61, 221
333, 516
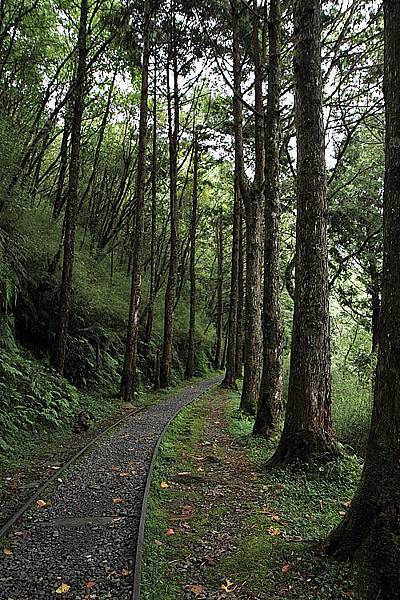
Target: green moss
183, 435
277, 550
308, 505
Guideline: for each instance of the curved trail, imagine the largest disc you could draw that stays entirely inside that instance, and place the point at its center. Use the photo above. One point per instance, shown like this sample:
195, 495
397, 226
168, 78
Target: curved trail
85, 536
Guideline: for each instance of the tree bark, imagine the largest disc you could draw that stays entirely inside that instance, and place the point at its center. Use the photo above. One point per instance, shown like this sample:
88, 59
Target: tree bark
154, 167
308, 430
220, 292
231, 368
190, 360
270, 400
170, 293
240, 307
235, 343
253, 206
71, 212
374, 293
130, 359
370, 532
59, 200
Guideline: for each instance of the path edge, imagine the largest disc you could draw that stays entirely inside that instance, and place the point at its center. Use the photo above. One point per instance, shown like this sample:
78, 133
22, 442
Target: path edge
137, 573
21, 510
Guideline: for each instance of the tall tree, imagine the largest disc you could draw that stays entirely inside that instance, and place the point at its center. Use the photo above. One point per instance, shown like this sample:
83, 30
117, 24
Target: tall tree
370, 530
270, 400
130, 359
153, 237
219, 233
72, 200
231, 367
241, 293
308, 427
173, 134
190, 360
253, 201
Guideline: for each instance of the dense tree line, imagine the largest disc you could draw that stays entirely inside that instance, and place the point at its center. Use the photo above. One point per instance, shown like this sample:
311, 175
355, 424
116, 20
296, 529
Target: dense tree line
238, 158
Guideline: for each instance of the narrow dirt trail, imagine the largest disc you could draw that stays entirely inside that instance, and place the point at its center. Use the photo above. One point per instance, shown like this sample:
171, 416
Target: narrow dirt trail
218, 493
83, 539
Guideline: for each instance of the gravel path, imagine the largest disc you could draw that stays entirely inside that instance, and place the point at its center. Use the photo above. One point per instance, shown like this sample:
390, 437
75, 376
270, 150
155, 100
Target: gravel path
83, 540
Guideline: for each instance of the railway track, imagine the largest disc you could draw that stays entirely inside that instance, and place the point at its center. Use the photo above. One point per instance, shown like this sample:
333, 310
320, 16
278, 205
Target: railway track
19, 513
83, 530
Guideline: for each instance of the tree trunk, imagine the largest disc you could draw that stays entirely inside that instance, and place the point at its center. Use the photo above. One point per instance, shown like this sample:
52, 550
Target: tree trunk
270, 400
231, 369
71, 211
220, 292
190, 360
308, 430
235, 332
156, 384
154, 166
240, 306
170, 293
253, 206
374, 293
223, 358
59, 198
370, 532
130, 359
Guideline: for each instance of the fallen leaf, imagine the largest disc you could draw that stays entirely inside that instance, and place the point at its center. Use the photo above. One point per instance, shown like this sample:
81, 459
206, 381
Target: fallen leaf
117, 500
170, 531
275, 518
228, 586
41, 503
90, 584
8, 552
164, 485
125, 572
123, 474
285, 568
158, 543
274, 531
63, 589
265, 511
196, 589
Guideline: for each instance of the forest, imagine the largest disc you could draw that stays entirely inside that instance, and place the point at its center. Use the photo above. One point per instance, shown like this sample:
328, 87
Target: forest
200, 299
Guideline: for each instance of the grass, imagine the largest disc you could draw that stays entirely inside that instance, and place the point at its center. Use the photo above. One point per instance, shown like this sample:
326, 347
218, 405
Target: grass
275, 546
182, 436
309, 505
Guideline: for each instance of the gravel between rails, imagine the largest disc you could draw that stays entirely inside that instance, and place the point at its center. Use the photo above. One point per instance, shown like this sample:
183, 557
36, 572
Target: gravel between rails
85, 536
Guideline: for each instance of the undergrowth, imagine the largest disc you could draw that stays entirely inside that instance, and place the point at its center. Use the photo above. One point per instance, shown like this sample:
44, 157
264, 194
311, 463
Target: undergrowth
277, 549
34, 400
182, 436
